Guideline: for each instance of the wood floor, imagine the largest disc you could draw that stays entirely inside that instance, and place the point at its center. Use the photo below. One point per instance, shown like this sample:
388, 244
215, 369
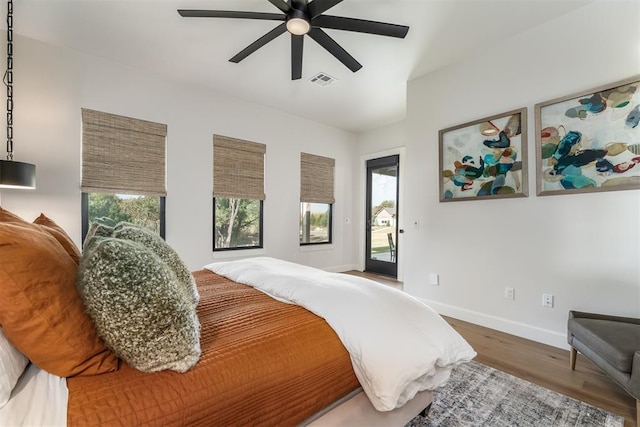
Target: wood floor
538, 363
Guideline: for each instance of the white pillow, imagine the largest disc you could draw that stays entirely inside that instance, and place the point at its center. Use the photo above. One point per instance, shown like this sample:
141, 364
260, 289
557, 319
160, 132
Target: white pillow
12, 364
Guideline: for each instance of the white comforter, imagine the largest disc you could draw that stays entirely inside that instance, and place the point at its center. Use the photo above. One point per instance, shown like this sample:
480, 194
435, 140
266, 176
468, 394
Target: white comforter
398, 345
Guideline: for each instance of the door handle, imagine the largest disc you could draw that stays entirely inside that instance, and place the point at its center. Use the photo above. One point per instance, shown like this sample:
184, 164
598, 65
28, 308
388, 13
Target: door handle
401, 231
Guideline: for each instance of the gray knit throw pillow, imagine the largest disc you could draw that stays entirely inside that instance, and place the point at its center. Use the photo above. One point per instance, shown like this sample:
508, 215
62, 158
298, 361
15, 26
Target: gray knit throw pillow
138, 306
136, 233
153, 241
96, 229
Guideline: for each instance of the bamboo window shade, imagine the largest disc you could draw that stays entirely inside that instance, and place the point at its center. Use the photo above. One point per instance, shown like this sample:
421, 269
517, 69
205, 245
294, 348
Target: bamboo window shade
122, 155
316, 179
238, 168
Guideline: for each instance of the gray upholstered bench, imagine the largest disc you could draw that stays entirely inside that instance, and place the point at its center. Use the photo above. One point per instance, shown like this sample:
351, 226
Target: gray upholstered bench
613, 344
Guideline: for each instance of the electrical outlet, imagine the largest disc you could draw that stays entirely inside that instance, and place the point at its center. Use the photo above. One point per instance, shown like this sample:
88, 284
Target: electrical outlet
547, 300
509, 293
434, 279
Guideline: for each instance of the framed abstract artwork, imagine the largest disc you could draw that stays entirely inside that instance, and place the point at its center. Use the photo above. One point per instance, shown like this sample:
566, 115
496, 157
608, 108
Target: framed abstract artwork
485, 159
589, 141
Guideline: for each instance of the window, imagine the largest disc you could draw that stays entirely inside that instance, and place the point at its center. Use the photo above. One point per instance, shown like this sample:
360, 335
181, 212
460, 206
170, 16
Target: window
110, 209
316, 198
315, 223
123, 171
238, 193
238, 223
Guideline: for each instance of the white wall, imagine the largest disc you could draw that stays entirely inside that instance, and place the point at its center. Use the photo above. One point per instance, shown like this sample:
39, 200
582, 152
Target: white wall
52, 84
584, 249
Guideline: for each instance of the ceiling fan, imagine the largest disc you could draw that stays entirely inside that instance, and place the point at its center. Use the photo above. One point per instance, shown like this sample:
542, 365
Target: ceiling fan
302, 17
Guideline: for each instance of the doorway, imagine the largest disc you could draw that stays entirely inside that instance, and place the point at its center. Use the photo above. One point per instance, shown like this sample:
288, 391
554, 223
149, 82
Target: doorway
382, 215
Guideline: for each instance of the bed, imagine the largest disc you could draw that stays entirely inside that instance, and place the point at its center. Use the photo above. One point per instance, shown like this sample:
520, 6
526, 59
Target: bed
265, 360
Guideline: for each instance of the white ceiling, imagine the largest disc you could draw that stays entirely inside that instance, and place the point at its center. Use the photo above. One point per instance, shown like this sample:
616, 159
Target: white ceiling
150, 35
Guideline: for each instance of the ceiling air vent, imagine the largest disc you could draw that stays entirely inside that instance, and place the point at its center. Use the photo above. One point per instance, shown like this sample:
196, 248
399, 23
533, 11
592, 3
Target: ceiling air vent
322, 79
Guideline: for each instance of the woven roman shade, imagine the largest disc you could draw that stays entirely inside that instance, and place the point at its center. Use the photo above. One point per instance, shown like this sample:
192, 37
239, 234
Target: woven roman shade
238, 168
122, 155
316, 179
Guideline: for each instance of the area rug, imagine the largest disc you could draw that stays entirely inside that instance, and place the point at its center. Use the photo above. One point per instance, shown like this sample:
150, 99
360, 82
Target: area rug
478, 395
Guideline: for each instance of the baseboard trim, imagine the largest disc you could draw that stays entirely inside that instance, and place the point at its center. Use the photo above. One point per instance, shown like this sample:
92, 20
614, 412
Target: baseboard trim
534, 333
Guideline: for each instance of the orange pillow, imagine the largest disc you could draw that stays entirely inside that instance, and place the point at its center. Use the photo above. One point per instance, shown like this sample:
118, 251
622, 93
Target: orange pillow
50, 227
40, 310
6, 216
60, 235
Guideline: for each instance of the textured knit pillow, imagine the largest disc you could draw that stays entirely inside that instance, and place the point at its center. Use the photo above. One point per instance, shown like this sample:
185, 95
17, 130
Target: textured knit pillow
96, 229
153, 241
60, 235
40, 310
12, 364
138, 306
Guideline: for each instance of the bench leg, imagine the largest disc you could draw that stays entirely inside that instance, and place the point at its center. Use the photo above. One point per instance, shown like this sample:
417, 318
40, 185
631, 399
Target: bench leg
572, 358
637, 412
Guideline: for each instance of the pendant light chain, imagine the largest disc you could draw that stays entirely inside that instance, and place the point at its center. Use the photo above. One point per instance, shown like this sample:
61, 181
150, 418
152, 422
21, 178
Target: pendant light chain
13, 174
8, 80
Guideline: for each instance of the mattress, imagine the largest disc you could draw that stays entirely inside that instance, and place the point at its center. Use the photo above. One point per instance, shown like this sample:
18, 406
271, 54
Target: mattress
263, 363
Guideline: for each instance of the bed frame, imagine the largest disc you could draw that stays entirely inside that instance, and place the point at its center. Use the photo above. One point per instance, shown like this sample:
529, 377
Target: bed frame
355, 409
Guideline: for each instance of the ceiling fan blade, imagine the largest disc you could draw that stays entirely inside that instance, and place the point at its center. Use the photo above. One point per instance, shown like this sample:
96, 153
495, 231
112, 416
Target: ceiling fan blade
297, 43
360, 26
282, 5
187, 13
318, 7
334, 48
259, 43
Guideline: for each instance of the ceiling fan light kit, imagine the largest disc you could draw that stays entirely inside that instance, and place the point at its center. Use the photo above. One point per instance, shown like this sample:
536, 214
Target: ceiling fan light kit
302, 17
298, 24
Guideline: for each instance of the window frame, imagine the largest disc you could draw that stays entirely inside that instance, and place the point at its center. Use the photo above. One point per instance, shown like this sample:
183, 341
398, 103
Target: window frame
84, 206
238, 248
329, 226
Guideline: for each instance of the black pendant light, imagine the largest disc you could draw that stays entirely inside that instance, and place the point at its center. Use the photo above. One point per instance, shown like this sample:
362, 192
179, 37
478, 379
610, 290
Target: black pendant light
13, 174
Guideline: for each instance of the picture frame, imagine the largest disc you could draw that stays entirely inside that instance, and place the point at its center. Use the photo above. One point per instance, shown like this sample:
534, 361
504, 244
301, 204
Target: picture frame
589, 141
485, 158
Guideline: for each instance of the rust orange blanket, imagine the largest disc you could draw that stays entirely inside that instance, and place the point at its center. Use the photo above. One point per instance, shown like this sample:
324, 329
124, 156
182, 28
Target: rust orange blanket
263, 363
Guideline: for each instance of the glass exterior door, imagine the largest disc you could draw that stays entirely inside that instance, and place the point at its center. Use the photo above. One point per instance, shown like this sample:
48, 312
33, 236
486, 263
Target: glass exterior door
382, 215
